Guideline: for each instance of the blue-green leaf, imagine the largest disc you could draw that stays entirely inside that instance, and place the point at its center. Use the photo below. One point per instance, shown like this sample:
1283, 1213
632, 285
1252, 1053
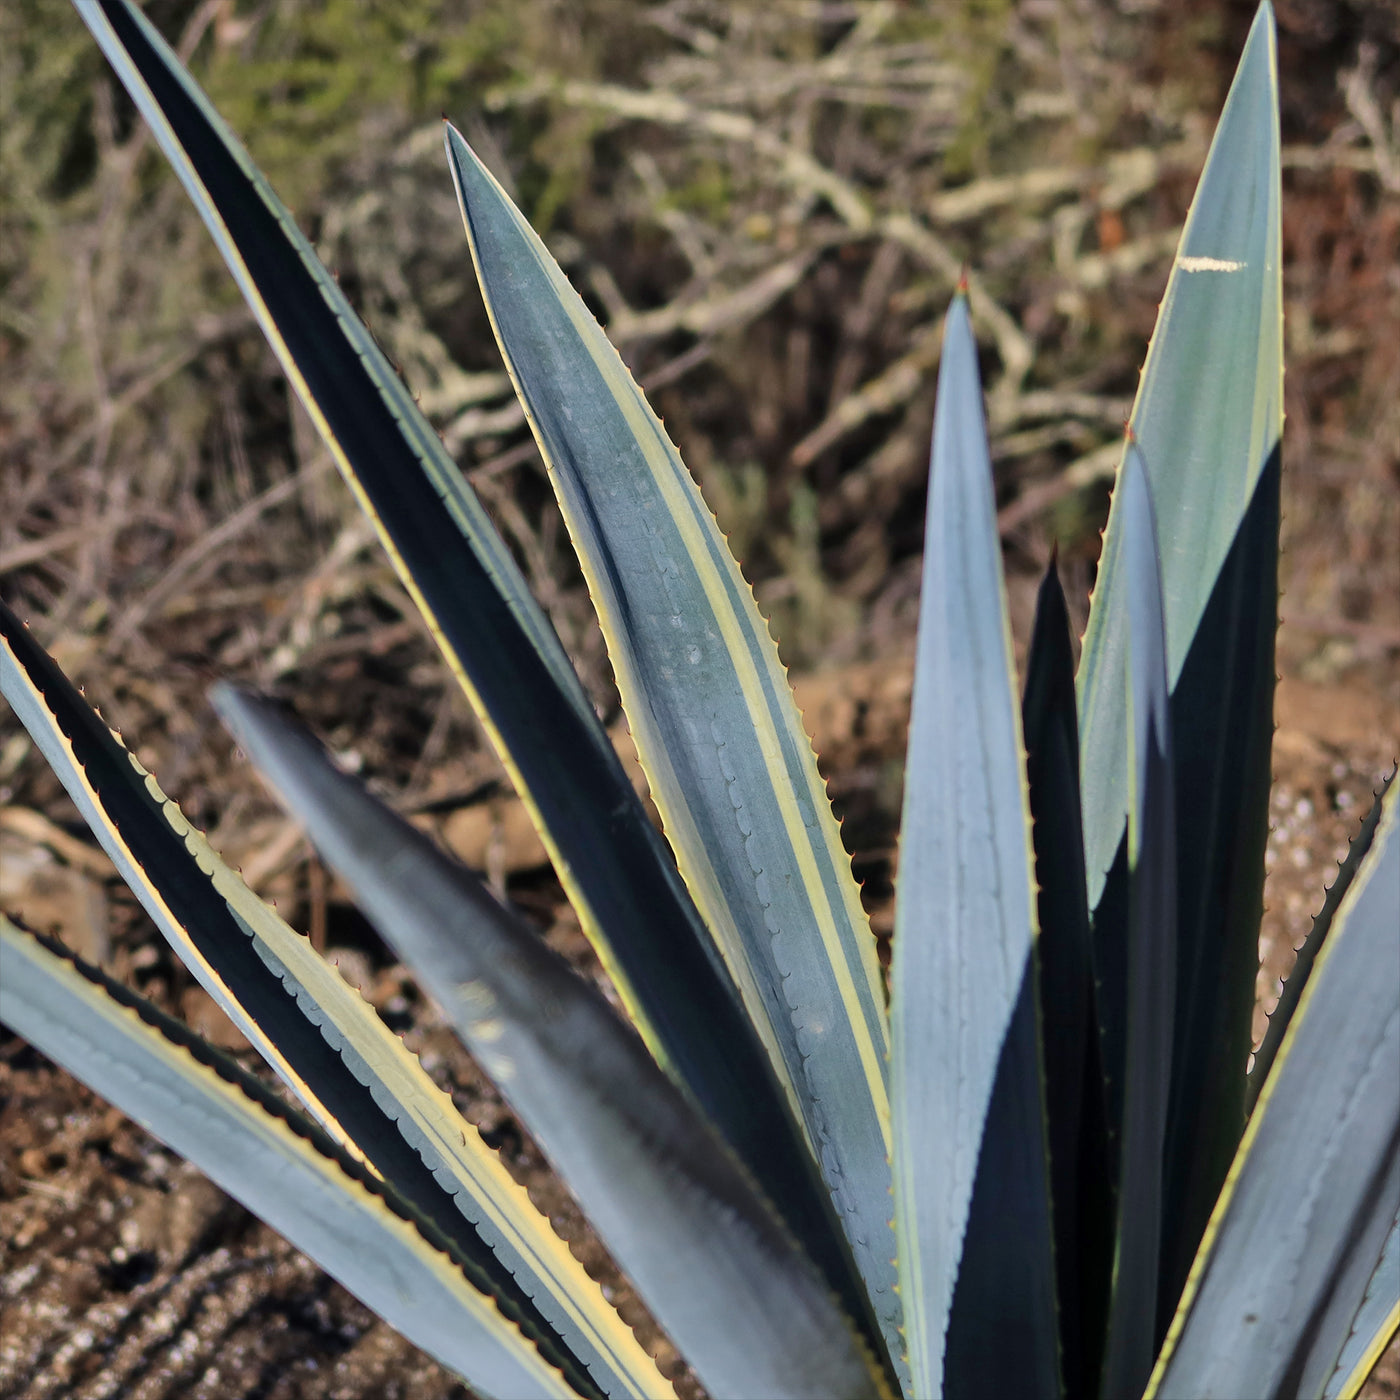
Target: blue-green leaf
1375, 1326
1208, 416
1149, 938
1069, 1027
746, 1307
614, 865
269, 1157
729, 764
971, 1176
1312, 1196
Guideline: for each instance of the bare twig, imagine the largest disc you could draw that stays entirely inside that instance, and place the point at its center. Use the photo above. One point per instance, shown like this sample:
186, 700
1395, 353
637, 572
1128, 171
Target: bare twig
1356, 85
1098, 465
725, 310
1121, 178
796, 168
887, 391
37, 829
204, 553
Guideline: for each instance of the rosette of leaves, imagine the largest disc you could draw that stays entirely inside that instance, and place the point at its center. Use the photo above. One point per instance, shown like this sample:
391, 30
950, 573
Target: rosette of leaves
1037, 1167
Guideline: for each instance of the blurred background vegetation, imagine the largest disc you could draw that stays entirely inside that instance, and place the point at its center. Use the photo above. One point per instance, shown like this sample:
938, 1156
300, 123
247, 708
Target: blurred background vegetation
768, 203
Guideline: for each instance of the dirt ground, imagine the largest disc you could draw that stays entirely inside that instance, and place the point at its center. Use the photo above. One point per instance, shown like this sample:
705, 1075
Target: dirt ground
792, 360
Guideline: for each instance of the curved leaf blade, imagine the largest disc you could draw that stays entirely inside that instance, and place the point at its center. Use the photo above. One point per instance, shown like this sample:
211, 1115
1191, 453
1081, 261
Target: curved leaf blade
721, 1274
965, 1069
1376, 1324
269, 1158
615, 867
1150, 938
1315, 1187
730, 766
323, 1039
1222, 732
1208, 415
1297, 980
1076, 1114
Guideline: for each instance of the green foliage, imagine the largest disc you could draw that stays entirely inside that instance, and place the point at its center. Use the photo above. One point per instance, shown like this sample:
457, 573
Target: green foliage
295, 79
804, 609
981, 30
1120, 1231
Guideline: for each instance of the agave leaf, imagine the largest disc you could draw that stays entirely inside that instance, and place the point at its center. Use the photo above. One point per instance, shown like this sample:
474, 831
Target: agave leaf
730, 766
1376, 1324
1302, 969
611, 861
1208, 418
324, 1040
965, 1071
722, 1275
432, 524
1313, 1193
1150, 946
1074, 1086
269, 1157
1222, 731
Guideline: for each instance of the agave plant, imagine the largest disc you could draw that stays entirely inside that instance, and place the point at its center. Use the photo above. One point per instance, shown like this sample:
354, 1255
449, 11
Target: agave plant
1039, 1167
